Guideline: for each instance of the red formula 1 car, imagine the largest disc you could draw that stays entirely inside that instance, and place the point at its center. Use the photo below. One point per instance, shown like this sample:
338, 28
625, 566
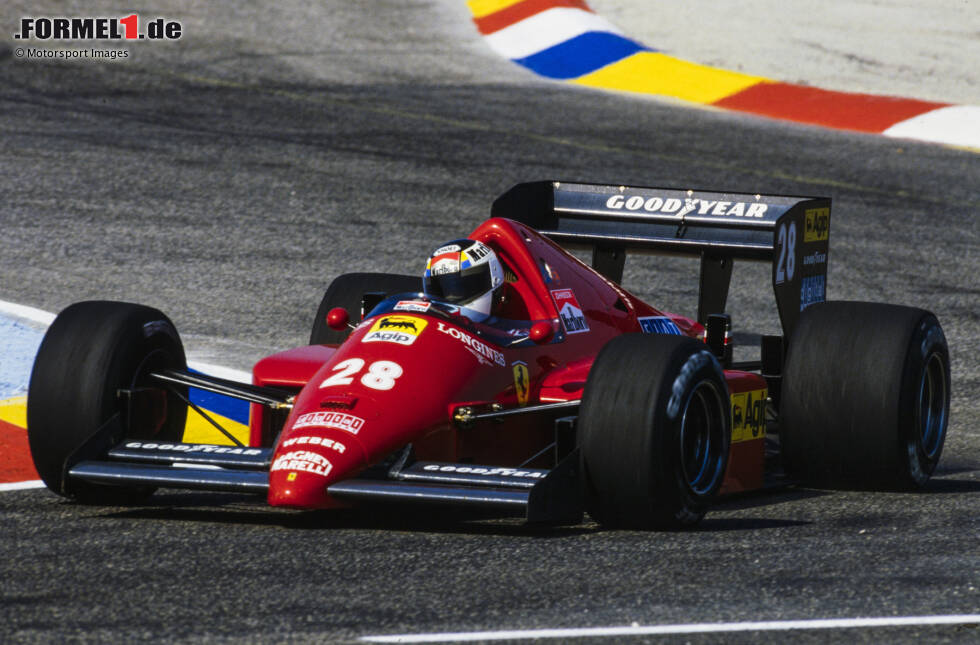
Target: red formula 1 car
574, 396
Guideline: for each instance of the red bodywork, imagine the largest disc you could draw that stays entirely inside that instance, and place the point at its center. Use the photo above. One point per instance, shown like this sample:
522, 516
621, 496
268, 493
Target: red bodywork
375, 393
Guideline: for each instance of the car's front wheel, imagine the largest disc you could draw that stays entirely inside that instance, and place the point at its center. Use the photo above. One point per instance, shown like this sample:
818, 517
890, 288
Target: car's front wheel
89, 379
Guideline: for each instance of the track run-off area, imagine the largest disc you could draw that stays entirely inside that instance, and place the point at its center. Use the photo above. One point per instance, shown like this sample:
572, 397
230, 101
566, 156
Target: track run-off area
226, 177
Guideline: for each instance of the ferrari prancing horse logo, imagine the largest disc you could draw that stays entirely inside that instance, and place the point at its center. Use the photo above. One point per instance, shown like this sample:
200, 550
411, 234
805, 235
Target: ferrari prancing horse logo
522, 382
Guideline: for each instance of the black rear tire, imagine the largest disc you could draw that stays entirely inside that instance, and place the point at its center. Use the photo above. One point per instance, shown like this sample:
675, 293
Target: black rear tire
90, 352
865, 396
653, 431
347, 291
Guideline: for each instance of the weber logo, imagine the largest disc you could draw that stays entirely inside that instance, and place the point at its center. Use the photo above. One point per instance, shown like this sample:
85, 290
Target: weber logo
316, 441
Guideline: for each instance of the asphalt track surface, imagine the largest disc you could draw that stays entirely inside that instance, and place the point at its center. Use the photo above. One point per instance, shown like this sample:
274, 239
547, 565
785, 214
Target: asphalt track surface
226, 178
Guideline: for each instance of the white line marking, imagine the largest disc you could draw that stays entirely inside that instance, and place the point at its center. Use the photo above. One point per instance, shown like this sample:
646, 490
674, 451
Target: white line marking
33, 483
695, 628
221, 372
46, 318
954, 124
27, 313
544, 30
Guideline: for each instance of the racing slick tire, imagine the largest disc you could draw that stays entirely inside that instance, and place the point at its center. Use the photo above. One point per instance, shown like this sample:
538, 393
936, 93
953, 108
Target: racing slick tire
866, 392
90, 352
653, 432
347, 291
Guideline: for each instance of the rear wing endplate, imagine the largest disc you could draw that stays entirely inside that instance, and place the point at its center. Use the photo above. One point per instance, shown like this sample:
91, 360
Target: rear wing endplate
792, 233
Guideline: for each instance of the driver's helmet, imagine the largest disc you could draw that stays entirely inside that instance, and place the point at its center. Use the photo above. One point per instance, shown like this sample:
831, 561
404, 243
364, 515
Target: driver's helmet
465, 273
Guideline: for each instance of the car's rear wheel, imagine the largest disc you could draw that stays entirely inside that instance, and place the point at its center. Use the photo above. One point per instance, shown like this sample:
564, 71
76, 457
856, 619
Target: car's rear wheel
866, 393
347, 291
653, 432
92, 355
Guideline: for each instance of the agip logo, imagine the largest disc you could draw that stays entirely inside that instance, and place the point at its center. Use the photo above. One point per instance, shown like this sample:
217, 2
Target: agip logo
403, 330
748, 415
817, 225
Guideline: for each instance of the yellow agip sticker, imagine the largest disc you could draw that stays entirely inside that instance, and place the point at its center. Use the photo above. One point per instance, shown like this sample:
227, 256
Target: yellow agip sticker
817, 225
749, 415
402, 330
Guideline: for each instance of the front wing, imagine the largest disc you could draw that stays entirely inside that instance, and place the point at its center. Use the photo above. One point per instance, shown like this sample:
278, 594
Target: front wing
544, 496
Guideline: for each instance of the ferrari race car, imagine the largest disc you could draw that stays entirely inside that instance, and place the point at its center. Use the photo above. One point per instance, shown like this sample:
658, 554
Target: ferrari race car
573, 396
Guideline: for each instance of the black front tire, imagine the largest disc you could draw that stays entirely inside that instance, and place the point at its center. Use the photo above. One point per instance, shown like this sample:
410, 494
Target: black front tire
347, 291
653, 431
90, 352
866, 393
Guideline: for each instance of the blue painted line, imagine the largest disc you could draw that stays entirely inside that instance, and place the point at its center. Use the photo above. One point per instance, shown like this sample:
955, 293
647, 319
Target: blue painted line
581, 55
234, 409
226, 406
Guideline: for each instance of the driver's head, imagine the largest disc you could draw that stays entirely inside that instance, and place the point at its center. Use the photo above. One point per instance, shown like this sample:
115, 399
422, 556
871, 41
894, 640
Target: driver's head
464, 272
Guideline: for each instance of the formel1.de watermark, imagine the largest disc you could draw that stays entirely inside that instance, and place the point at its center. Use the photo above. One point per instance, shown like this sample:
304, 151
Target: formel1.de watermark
127, 28
40, 32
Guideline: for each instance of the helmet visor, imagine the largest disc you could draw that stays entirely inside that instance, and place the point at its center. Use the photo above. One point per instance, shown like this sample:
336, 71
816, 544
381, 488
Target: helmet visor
459, 287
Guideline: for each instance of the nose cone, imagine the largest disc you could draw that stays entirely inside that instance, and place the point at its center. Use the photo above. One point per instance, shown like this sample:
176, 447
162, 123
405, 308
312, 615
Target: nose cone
309, 459
391, 383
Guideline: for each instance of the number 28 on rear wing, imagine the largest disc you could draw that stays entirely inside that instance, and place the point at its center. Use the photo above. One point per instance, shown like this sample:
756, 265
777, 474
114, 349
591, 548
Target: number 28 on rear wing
790, 232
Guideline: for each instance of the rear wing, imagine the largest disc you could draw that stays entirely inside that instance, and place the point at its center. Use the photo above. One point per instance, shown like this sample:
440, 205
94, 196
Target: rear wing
790, 232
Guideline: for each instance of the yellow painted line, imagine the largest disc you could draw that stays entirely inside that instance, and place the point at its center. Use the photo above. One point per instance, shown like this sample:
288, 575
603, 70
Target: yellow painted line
14, 411
197, 430
655, 73
480, 8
